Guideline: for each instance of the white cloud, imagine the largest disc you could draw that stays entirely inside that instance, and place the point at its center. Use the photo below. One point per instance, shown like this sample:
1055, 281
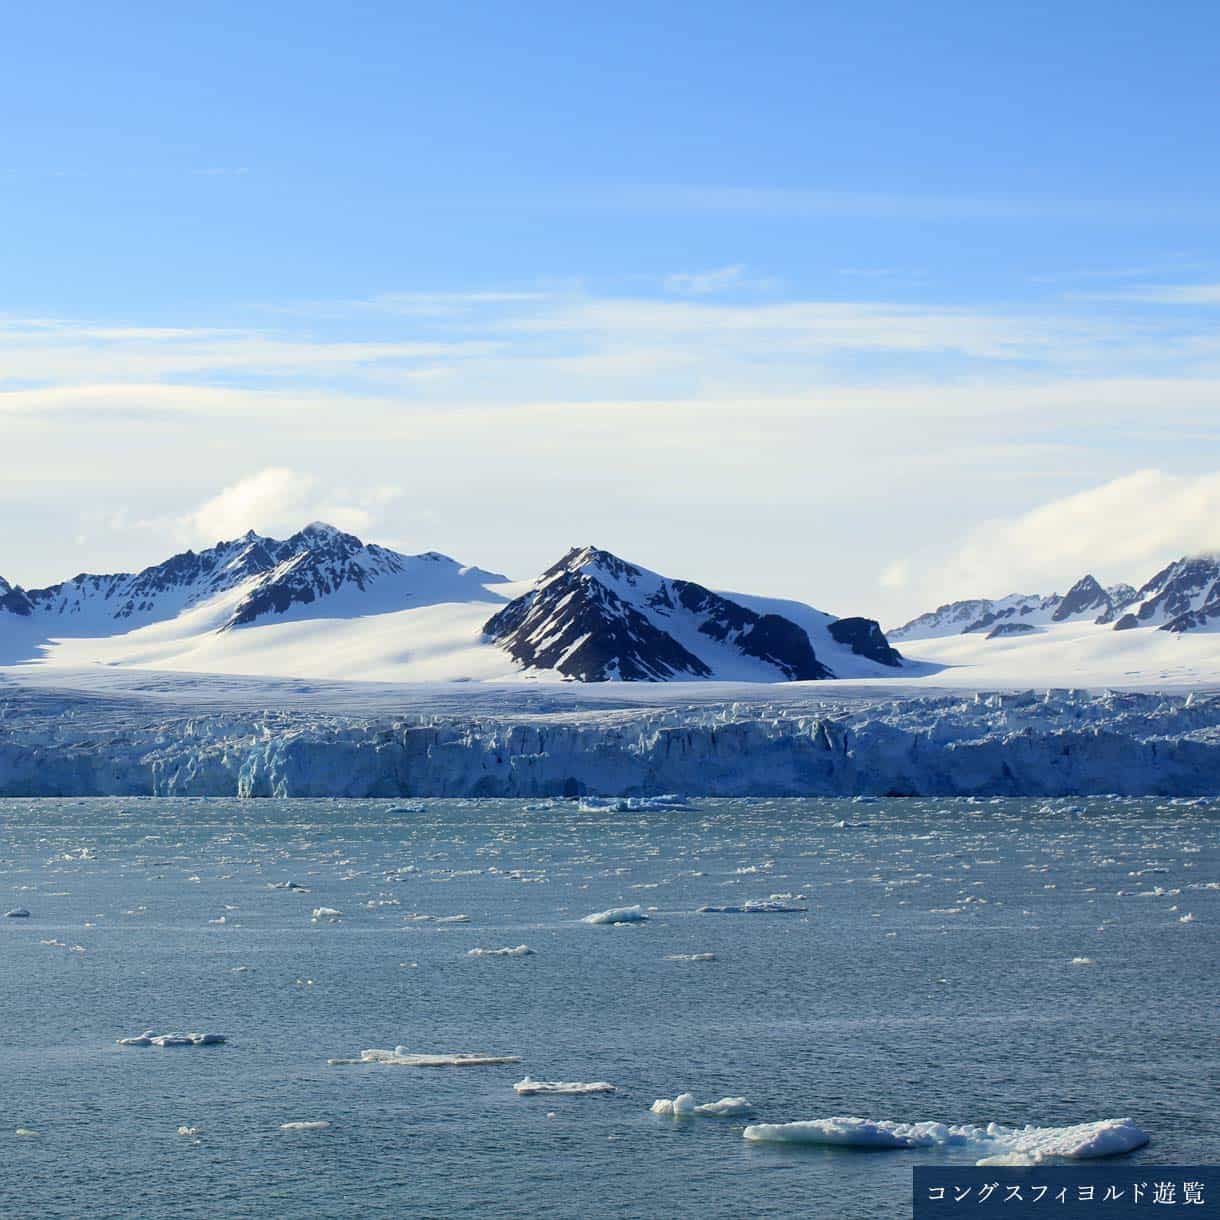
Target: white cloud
278, 501
699, 283
1121, 530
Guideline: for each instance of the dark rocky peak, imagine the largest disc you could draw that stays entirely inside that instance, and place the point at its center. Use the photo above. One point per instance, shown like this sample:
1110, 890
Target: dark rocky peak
1086, 596
866, 639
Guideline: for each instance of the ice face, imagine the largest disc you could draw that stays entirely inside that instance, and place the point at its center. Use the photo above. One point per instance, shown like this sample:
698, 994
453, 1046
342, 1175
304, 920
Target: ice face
1052, 743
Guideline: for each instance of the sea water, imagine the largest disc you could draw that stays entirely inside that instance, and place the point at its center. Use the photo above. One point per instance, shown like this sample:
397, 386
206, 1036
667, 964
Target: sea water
964, 962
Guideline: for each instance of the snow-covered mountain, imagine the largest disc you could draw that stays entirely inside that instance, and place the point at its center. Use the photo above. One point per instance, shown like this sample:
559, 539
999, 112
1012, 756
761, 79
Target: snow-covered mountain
323, 603
594, 617
1183, 596
1163, 633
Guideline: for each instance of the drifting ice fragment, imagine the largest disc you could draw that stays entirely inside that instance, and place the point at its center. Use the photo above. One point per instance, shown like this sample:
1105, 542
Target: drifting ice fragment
998, 1144
17, 913
148, 1038
519, 951
683, 1106
755, 906
529, 1087
320, 1125
690, 957
328, 913
617, 915
401, 1057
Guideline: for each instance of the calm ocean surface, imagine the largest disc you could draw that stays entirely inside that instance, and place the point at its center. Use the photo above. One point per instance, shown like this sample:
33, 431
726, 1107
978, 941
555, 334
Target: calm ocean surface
932, 978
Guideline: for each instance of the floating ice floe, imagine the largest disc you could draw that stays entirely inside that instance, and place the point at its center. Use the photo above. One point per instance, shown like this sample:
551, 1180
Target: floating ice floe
1083, 961
418, 918
148, 1038
402, 1057
683, 1106
530, 1087
618, 915
325, 913
190, 1132
318, 1125
289, 885
519, 951
690, 957
17, 913
631, 804
997, 1144
755, 906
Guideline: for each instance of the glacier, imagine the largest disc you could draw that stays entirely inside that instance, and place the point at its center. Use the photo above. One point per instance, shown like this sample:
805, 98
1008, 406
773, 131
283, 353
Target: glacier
135, 737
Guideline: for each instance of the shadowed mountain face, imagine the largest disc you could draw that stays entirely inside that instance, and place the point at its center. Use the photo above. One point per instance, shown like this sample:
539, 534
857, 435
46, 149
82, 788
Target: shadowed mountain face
595, 617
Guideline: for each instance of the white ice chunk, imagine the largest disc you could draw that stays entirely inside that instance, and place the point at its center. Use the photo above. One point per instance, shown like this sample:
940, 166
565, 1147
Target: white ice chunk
529, 1087
149, 1038
1032, 1144
755, 906
328, 913
518, 951
402, 1057
684, 1106
618, 915
319, 1125
17, 913
690, 957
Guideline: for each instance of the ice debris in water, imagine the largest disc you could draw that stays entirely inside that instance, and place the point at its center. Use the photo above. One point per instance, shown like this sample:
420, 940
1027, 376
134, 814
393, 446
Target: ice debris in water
402, 1057
17, 913
518, 951
1083, 961
530, 1087
618, 915
25, 1133
631, 804
754, 906
148, 1038
999, 1144
289, 885
318, 1125
683, 1106
190, 1132
690, 957
326, 913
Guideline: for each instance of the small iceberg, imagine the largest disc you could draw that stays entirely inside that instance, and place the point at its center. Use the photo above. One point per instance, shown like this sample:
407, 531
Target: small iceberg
148, 1038
17, 913
401, 1057
289, 885
755, 906
318, 1125
328, 914
631, 804
996, 1144
690, 957
617, 915
683, 1106
190, 1132
530, 1087
519, 951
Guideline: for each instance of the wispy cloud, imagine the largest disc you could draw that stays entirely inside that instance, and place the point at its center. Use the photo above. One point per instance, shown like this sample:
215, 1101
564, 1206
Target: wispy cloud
700, 283
1119, 530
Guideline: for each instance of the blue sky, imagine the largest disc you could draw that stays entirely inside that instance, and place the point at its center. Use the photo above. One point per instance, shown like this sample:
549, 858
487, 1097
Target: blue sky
826, 301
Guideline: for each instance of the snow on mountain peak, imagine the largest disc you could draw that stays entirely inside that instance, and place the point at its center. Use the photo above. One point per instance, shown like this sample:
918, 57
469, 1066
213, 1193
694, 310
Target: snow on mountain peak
596, 617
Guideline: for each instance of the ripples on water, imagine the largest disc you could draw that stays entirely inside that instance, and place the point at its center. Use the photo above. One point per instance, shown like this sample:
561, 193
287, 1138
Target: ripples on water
933, 977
